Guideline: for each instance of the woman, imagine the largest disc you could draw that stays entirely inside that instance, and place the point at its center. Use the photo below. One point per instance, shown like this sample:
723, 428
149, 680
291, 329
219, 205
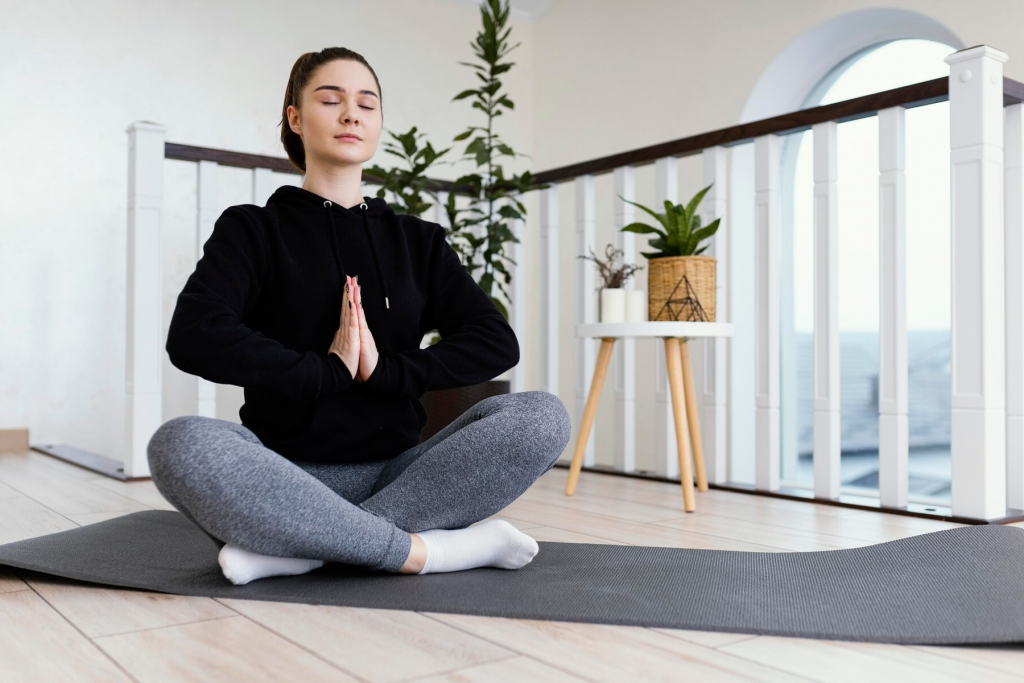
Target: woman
327, 464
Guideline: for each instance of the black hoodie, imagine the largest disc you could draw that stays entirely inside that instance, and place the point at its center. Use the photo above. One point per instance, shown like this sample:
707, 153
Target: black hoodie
262, 307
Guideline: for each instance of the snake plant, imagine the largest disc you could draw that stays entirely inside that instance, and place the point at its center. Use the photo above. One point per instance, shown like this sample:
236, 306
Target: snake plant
682, 234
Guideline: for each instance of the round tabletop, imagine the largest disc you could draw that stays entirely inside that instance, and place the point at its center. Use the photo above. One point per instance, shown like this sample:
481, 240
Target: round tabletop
657, 328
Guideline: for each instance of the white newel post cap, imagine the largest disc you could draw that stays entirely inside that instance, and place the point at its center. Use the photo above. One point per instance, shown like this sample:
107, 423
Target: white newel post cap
975, 52
151, 126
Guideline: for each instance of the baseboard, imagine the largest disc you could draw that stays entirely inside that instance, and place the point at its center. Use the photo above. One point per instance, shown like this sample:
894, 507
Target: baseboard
855, 502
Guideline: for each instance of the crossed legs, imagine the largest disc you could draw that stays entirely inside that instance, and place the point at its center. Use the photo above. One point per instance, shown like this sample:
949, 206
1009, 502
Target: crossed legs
241, 493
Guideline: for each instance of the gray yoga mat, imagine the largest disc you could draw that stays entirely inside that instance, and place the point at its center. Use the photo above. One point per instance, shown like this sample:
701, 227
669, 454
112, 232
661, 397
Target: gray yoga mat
956, 586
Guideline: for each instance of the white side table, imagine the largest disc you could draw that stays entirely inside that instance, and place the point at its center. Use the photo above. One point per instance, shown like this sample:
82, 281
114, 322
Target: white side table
680, 380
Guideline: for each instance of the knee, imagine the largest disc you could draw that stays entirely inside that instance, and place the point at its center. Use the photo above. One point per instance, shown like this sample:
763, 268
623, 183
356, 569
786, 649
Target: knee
170, 441
550, 421
180, 443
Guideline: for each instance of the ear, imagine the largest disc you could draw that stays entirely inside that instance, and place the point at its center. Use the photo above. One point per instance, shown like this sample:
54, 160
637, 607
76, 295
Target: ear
293, 120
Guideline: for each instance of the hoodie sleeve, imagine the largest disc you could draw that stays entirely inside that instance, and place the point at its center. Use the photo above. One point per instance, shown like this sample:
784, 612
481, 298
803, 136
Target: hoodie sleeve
207, 337
477, 343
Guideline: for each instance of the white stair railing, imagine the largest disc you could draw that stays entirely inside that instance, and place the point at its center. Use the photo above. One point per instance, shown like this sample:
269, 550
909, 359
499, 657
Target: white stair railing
987, 221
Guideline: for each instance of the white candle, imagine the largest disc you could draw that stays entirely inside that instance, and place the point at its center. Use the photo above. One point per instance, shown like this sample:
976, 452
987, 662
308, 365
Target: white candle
613, 305
636, 305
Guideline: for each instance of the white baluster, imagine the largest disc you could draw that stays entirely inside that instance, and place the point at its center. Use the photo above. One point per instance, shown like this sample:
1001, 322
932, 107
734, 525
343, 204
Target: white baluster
827, 445
144, 341
714, 393
517, 312
550, 289
625, 348
206, 216
263, 185
586, 309
766, 278
666, 449
893, 429
440, 213
978, 350
1014, 196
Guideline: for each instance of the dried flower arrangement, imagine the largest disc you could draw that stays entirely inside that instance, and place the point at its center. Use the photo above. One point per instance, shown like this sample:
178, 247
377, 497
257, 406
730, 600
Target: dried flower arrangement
614, 278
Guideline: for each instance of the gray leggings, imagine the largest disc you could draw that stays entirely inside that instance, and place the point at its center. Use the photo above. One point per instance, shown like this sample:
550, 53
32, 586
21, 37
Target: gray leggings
221, 477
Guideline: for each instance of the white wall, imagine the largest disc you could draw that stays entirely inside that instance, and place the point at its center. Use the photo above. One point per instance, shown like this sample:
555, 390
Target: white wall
214, 72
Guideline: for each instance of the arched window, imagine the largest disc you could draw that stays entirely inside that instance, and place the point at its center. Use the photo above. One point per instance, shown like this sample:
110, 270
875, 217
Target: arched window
876, 69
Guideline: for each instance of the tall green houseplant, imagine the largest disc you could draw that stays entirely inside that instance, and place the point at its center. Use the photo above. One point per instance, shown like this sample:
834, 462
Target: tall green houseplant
495, 198
408, 185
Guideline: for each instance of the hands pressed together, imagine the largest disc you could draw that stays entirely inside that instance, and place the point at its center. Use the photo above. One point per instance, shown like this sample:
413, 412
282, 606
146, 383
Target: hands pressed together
353, 342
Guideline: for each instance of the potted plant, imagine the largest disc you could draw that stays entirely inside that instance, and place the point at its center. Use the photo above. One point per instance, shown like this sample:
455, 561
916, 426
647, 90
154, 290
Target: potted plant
614, 307
680, 283
493, 201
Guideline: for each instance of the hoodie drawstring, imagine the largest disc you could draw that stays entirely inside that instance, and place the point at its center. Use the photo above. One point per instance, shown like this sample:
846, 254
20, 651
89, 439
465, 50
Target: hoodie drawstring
334, 241
373, 250
373, 247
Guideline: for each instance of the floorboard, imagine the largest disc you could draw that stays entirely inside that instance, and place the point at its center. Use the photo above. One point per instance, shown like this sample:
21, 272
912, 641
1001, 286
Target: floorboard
57, 629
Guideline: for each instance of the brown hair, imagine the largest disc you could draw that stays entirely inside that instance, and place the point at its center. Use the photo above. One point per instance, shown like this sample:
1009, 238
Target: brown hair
302, 72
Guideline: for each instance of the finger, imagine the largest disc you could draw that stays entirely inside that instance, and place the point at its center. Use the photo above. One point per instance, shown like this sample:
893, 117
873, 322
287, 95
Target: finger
354, 312
344, 300
362, 318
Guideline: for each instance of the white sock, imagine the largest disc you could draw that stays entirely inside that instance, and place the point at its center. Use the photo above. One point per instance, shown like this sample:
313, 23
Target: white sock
242, 566
492, 544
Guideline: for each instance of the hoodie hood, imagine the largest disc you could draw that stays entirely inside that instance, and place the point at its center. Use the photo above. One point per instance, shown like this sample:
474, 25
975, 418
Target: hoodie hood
334, 216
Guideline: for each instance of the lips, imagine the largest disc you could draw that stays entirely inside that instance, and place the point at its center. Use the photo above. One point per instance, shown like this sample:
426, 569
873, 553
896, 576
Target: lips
347, 137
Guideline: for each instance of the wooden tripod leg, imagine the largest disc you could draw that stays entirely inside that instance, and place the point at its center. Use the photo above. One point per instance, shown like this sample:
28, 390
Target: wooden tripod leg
693, 415
604, 356
675, 383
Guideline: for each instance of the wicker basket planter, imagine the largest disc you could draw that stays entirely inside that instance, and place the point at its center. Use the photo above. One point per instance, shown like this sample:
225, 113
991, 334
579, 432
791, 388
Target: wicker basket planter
445, 405
665, 275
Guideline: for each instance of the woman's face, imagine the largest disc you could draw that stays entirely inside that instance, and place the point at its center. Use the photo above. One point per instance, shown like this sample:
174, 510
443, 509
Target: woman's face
340, 98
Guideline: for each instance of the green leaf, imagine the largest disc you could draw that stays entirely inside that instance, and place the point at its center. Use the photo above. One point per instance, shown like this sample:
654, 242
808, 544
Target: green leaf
641, 228
465, 93
707, 232
692, 206
675, 233
462, 136
661, 218
684, 224
509, 212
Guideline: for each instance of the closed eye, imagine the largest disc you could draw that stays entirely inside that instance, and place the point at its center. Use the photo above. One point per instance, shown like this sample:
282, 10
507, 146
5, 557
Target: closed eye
361, 106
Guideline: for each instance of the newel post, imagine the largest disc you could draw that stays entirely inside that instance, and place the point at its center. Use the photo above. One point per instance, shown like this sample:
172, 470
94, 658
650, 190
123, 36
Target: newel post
978, 317
143, 328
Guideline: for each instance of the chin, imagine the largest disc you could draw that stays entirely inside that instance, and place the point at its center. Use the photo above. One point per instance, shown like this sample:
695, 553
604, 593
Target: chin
345, 160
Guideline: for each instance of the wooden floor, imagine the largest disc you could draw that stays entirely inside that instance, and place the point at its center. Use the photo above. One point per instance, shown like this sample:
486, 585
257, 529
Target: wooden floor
53, 629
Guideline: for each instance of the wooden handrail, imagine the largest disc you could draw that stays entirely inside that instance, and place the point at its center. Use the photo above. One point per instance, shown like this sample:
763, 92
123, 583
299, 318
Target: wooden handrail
908, 96
174, 150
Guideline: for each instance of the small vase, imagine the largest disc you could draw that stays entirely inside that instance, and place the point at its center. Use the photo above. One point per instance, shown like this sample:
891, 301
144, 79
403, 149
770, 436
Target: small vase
613, 305
636, 306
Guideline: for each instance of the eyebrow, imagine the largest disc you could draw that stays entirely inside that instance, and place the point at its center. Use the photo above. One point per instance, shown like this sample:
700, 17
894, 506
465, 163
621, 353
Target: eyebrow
334, 87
